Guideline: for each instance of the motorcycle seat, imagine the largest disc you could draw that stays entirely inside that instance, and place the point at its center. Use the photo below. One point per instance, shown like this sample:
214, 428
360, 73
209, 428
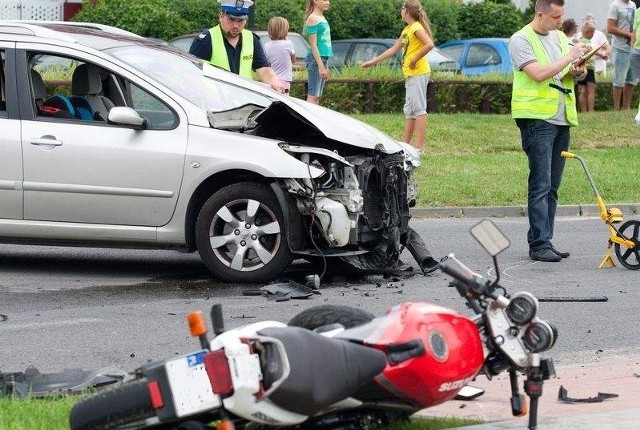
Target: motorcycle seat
323, 370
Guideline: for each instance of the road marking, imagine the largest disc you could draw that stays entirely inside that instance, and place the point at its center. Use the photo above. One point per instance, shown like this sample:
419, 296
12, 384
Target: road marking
77, 321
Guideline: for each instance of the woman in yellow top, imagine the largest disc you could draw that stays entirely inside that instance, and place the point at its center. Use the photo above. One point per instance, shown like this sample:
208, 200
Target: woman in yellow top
417, 42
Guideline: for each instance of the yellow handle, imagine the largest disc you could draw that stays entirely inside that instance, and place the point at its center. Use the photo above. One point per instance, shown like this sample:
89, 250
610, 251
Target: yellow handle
567, 154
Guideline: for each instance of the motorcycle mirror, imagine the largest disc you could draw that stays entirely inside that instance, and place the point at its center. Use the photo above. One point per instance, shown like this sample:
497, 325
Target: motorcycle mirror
490, 237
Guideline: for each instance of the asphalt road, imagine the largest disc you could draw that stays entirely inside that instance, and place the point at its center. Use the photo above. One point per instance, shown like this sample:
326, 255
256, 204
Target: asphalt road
91, 308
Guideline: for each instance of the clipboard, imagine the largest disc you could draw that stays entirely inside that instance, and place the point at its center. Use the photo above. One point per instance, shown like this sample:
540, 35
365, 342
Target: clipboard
585, 57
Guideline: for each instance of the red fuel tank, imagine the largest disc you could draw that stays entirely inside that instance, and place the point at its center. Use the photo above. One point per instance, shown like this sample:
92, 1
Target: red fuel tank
432, 352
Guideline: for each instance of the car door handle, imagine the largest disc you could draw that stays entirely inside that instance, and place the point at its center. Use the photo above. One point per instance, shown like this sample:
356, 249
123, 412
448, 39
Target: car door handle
46, 142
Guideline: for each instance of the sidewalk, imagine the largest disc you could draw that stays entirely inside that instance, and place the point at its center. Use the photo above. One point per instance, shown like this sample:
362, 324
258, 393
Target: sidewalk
618, 376
516, 211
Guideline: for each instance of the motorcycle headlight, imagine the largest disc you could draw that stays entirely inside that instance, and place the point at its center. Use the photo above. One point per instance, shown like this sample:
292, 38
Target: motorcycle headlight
522, 308
539, 336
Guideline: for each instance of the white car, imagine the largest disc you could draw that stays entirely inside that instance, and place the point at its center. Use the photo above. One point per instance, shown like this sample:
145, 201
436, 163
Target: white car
109, 139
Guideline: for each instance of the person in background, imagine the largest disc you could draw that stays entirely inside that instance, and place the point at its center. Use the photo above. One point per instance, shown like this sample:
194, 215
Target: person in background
587, 86
416, 41
280, 51
619, 25
634, 61
598, 39
543, 104
570, 28
318, 33
229, 46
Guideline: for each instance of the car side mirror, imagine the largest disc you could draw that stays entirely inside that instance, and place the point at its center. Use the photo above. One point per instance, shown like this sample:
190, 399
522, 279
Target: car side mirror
121, 115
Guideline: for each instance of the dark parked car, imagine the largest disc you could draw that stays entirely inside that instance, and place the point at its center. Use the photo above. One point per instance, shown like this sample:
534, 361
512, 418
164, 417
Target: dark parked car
300, 44
480, 56
356, 51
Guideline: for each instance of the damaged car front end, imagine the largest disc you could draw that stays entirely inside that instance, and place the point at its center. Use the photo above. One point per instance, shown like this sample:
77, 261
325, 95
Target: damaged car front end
354, 203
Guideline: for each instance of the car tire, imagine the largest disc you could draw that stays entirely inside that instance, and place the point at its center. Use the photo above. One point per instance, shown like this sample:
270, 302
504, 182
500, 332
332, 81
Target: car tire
319, 316
240, 234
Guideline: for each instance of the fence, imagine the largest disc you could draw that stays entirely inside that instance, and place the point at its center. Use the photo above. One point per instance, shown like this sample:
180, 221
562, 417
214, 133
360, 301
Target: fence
41, 10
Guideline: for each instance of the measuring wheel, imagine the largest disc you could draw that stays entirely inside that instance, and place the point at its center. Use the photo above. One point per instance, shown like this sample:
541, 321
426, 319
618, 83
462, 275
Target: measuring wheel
629, 257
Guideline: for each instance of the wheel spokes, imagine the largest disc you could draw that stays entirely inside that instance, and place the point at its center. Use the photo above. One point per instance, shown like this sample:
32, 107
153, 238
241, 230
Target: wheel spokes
252, 210
271, 228
629, 256
238, 259
218, 241
225, 214
263, 254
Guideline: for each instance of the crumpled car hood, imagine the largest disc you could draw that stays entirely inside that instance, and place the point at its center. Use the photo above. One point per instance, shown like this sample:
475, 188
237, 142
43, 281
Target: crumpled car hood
331, 124
342, 128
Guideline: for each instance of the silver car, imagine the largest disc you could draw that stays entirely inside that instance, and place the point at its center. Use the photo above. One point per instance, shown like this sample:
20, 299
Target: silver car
109, 139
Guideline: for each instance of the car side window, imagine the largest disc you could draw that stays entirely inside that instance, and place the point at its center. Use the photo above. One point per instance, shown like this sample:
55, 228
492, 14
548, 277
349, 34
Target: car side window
454, 52
339, 54
159, 116
482, 55
64, 87
366, 51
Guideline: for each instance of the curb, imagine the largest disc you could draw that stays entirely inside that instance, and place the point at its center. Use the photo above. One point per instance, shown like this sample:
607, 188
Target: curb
515, 211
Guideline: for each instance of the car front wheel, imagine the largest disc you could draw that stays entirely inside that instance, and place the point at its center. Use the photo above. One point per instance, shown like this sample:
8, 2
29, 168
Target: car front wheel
240, 234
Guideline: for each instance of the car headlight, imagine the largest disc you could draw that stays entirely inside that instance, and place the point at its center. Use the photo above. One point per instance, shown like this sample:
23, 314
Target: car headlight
539, 336
522, 308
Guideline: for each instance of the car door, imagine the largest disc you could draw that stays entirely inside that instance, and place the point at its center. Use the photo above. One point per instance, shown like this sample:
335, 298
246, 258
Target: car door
87, 170
10, 150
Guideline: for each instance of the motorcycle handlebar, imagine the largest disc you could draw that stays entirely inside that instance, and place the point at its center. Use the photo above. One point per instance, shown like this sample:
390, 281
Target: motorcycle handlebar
475, 284
458, 271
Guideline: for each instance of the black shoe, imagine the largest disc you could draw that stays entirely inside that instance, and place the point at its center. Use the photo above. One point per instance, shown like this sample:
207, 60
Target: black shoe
560, 253
545, 254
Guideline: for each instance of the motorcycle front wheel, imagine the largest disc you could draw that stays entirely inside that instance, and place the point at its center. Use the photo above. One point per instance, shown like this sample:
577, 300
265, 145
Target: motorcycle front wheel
110, 408
323, 315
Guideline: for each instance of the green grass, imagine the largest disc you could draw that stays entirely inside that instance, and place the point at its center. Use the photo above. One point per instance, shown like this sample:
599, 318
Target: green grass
53, 414
477, 160
431, 423
35, 414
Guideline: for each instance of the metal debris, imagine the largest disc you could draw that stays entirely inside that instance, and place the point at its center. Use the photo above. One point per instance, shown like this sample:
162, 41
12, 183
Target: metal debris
563, 397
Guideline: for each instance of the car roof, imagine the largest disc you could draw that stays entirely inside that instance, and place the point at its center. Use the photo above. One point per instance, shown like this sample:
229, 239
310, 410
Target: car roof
372, 40
92, 35
478, 39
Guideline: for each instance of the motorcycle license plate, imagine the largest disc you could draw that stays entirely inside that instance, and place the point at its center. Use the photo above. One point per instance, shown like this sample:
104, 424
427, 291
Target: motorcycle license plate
190, 386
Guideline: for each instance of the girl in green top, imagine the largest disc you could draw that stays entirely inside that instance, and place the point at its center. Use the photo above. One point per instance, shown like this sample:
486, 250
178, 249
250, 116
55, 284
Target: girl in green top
318, 33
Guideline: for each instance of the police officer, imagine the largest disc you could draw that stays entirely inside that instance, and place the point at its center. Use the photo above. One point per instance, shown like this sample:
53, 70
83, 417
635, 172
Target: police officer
229, 46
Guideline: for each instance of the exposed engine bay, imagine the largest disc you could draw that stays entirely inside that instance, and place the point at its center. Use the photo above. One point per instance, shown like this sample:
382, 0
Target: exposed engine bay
356, 208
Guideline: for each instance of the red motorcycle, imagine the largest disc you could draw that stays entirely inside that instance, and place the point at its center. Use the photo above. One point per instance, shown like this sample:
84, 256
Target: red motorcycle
433, 352
268, 374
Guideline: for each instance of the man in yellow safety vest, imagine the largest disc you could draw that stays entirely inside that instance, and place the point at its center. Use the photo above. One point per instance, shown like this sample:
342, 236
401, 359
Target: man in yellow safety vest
543, 103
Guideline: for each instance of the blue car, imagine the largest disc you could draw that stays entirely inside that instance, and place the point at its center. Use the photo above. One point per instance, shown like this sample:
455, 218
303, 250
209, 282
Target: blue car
479, 56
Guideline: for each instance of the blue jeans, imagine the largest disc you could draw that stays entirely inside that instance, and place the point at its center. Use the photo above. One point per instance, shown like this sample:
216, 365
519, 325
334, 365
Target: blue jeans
543, 142
315, 82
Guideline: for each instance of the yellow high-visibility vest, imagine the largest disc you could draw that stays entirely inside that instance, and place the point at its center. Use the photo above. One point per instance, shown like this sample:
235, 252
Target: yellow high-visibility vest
219, 53
538, 100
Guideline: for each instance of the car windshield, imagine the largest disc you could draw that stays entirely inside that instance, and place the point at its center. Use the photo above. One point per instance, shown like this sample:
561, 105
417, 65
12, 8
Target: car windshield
188, 77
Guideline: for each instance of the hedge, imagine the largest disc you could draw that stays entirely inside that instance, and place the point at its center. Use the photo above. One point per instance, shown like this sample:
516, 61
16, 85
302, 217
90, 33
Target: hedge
387, 96
348, 18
